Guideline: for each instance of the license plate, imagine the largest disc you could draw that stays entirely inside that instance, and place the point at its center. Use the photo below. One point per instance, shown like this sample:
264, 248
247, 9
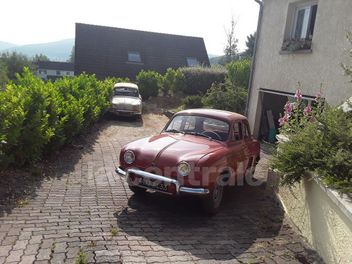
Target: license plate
153, 184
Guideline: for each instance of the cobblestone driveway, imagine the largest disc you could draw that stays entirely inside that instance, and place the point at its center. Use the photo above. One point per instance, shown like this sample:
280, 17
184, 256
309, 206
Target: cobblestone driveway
84, 205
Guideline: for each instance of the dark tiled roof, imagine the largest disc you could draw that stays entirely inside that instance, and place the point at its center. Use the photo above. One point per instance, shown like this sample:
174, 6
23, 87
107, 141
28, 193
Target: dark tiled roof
104, 51
55, 65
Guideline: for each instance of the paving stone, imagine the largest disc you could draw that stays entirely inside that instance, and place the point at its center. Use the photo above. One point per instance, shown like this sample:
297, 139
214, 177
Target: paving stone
4, 250
29, 259
43, 254
15, 256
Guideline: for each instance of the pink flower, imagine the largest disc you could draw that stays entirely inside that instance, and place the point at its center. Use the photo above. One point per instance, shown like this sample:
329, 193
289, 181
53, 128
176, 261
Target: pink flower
288, 107
307, 110
283, 120
298, 95
318, 97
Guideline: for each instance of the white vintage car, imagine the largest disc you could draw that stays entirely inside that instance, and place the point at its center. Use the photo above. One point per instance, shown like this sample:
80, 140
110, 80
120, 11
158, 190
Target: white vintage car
126, 100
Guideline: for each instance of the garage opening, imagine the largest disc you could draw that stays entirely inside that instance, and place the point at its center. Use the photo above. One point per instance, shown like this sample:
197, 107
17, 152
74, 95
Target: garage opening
273, 103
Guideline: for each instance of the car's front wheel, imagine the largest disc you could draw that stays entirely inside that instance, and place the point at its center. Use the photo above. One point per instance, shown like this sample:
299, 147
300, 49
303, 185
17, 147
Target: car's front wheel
137, 190
211, 203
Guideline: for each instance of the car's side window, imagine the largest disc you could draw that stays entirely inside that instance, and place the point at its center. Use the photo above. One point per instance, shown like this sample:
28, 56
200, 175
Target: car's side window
246, 133
237, 131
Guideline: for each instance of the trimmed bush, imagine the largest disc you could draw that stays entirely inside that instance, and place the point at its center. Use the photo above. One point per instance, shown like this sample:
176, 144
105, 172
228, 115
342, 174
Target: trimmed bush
238, 72
192, 101
200, 79
224, 96
174, 82
149, 83
38, 117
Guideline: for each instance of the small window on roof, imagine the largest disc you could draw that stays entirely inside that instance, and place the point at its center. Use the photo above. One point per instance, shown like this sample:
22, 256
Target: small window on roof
134, 56
192, 62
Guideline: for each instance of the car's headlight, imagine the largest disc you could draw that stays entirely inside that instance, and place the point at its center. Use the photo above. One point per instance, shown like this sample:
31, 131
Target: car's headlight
129, 157
183, 168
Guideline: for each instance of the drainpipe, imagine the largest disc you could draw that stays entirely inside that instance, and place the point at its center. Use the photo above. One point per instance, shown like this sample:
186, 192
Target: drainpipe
254, 55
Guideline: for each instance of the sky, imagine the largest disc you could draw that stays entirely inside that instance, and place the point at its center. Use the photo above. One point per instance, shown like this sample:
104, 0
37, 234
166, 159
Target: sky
40, 21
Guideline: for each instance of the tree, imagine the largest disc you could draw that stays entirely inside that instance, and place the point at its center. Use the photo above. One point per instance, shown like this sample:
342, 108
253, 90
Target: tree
250, 45
72, 55
3, 75
230, 49
15, 62
40, 57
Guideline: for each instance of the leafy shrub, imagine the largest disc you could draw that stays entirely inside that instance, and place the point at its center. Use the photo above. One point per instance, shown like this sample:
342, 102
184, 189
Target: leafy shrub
323, 147
149, 83
200, 79
238, 72
174, 82
28, 118
192, 101
36, 117
225, 96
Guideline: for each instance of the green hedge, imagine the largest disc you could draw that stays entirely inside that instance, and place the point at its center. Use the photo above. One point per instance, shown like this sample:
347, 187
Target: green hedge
199, 79
192, 101
238, 72
149, 83
225, 96
38, 117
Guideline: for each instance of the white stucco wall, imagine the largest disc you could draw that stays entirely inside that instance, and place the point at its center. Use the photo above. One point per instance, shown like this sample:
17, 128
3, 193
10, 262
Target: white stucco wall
282, 72
44, 76
321, 221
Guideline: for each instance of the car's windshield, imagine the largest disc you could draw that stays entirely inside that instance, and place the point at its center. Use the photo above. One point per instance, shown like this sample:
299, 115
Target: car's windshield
200, 126
126, 91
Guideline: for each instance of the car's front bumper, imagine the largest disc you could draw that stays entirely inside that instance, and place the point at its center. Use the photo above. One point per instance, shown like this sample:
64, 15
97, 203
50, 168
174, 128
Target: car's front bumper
124, 112
179, 189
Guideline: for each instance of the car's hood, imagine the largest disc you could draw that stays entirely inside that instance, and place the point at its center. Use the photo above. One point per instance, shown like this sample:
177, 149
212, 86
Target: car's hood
170, 149
126, 100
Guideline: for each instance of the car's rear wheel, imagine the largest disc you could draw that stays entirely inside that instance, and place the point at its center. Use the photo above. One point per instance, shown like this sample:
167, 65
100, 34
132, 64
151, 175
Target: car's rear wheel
137, 190
212, 202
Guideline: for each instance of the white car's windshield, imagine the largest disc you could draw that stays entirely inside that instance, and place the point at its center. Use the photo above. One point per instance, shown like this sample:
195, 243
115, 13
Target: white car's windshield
126, 91
199, 126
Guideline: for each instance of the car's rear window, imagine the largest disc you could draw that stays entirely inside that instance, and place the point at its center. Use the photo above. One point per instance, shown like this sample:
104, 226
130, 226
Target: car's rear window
126, 91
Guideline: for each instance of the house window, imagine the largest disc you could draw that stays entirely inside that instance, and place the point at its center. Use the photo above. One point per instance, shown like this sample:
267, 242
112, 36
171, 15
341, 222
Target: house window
192, 62
58, 72
300, 26
304, 22
134, 56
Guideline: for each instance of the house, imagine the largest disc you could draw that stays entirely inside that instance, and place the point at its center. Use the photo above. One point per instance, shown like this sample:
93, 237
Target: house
108, 51
298, 41
51, 70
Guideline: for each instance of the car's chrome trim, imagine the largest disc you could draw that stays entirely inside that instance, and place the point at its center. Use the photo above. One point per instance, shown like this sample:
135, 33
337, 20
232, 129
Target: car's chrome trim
179, 189
199, 191
120, 171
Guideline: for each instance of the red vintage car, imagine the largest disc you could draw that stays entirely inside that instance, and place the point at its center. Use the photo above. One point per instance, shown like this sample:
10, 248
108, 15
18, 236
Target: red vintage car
199, 152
